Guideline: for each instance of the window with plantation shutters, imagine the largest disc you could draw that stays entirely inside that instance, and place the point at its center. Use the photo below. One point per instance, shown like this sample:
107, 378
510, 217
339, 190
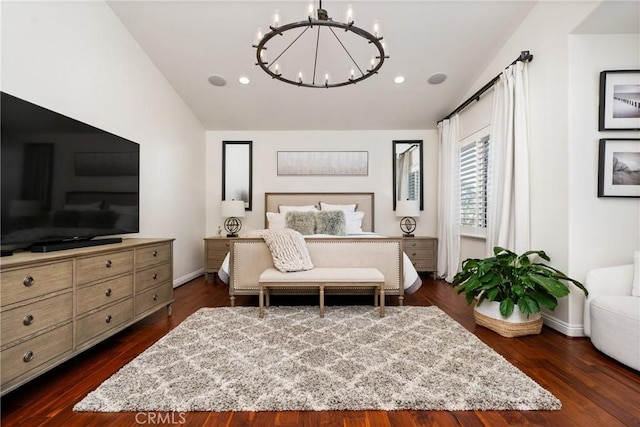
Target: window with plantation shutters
474, 158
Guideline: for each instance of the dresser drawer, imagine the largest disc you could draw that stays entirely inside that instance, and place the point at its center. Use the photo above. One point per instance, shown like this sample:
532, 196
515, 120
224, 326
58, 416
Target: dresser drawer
424, 264
157, 254
418, 243
160, 295
218, 245
101, 321
22, 321
416, 254
26, 283
214, 259
32, 353
151, 277
94, 296
105, 265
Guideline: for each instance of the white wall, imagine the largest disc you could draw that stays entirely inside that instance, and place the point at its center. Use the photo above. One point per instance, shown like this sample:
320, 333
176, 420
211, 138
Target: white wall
602, 231
76, 58
266, 144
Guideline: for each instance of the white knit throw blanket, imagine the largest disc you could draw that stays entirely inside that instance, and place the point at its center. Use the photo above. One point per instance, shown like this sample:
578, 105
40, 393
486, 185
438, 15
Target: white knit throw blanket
288, 249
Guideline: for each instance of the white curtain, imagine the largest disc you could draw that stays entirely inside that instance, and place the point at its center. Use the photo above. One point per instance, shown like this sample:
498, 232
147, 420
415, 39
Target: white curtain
402, 171
448, 199
508, 184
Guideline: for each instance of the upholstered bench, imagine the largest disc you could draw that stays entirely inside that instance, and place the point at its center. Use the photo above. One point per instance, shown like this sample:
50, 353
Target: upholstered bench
321, 278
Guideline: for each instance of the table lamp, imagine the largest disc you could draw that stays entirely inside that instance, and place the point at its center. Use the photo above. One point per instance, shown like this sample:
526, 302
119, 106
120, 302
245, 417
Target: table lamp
232, 210
407, 209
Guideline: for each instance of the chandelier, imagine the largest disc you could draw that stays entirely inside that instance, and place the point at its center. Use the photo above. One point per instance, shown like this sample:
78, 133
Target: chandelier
316, 42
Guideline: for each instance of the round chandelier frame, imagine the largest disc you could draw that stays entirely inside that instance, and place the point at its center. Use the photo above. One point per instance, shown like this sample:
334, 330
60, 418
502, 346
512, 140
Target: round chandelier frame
322, 20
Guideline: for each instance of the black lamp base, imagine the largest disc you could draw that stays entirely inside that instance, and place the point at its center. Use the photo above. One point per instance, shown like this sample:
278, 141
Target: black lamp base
408, 225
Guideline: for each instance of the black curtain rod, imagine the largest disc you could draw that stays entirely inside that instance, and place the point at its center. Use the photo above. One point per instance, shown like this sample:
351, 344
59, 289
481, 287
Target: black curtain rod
524, 56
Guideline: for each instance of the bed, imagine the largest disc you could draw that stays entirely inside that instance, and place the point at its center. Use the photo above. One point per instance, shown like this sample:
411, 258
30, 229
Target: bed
249, 257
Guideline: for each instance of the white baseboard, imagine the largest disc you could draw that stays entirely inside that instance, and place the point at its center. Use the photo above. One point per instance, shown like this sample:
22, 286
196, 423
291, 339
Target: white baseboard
563, 327
187, 277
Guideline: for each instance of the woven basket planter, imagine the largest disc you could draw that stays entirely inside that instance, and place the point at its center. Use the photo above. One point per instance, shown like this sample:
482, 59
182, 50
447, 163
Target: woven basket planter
488, 315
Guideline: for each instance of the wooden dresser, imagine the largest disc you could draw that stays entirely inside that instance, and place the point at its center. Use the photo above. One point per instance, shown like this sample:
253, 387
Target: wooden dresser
215, 249
55, 305
423, 253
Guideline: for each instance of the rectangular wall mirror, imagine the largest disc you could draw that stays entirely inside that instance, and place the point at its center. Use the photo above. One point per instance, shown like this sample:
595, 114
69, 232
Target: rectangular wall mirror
407, 171
237, 166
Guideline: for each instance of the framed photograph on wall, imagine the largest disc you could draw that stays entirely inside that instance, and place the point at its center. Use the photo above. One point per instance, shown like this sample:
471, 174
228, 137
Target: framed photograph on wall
619, 168
619, 100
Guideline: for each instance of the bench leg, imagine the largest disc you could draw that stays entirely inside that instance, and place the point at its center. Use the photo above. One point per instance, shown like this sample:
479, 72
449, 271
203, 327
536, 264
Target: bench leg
375, 297
261, 302
268, 297
382, 301
321, 301
232, 301
400, 300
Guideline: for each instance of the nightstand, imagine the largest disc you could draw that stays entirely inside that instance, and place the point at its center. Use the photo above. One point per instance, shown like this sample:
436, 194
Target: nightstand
423, 253
215, 249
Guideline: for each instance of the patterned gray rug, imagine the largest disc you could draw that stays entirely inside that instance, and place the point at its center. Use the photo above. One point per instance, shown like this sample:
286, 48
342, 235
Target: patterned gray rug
226, 359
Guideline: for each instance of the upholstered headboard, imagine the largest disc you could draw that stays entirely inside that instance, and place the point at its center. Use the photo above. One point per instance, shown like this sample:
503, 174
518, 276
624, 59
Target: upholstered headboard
364, 201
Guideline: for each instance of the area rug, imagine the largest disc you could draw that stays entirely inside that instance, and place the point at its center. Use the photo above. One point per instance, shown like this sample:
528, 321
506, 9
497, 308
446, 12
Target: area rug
227, 359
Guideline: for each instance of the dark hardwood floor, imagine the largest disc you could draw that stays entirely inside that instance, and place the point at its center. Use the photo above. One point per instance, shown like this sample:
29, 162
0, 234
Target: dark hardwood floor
594, 389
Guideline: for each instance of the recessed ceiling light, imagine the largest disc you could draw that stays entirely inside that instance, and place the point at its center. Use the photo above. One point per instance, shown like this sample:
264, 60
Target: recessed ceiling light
217, 80
244, 80
437, 78
399, 79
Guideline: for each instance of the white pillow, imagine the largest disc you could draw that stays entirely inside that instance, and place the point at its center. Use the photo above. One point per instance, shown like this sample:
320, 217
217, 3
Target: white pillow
284, 209
275, 221
344, 208
353, 222
635, 290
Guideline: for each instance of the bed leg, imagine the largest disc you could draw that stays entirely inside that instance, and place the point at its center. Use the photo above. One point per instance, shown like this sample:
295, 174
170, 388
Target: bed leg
169, 310
321, 301
232, 301
400, 300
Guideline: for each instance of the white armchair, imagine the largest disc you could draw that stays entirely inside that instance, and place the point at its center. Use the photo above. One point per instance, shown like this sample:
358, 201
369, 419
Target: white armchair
612, 314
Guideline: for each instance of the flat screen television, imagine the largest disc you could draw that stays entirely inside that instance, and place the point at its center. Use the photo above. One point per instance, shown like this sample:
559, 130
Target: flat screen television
63, 182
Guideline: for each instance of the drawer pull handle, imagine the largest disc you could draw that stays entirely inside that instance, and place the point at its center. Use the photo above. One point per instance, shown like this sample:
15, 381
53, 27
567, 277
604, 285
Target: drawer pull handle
414, 254
28, 319
413, 244
227, 244
108, 264
108, 318
28, 356
155, 253
108, 292
155, 276
28, 281
155, 297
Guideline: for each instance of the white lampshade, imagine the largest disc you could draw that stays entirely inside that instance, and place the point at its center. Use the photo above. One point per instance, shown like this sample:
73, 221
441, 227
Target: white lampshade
232, 208
408, 208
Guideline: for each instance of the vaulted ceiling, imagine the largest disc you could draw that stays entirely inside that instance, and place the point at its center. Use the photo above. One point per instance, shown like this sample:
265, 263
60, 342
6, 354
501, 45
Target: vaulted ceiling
189, 41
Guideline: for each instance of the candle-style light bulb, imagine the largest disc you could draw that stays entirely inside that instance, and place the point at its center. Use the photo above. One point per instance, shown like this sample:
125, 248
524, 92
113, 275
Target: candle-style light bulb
276, 19
300, 77
276, 68
352, 75
310, 11
259, 36
326, 78
376, 28
349, 15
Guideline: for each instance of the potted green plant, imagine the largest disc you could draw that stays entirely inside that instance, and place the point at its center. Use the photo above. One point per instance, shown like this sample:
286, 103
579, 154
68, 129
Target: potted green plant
507, 280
